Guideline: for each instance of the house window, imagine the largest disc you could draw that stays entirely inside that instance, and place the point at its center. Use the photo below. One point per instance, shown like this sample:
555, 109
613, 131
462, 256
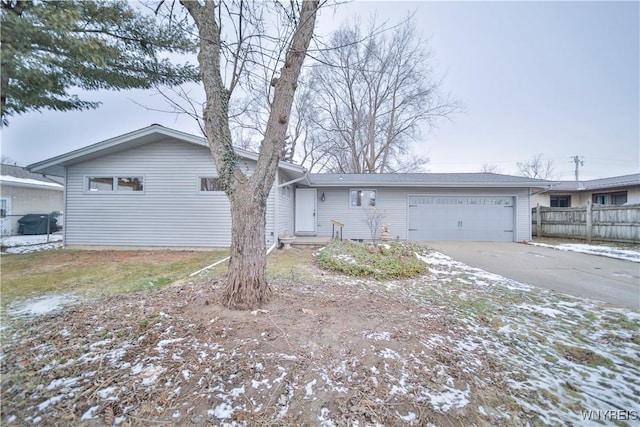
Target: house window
617, 199
362, 198
100, 183
210, 183
130, 183
560, 201
110, 184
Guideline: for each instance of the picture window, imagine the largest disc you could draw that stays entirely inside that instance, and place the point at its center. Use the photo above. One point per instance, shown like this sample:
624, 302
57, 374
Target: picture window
362, 198
111, 184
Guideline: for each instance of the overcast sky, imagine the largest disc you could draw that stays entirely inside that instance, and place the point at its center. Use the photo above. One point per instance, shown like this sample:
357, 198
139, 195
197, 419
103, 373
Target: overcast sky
557, 78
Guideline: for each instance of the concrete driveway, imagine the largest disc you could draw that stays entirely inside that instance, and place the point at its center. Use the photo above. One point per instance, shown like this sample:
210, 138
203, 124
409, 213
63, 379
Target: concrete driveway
587, 276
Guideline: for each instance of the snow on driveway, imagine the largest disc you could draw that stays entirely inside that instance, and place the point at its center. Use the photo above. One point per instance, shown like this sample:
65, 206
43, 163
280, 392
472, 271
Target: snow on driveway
607, 251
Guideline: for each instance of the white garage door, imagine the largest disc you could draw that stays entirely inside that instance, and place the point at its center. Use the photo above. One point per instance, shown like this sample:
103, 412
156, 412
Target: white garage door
470, 218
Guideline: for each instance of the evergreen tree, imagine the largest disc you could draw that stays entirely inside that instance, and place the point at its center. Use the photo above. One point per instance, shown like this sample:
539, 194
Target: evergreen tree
50, 48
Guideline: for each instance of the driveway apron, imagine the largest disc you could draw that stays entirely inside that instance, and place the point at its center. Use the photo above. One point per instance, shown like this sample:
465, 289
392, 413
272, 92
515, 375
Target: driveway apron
588, 276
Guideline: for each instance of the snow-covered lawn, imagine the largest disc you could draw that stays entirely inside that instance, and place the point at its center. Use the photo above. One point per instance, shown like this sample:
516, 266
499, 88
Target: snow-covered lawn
33, 243
456, 346
602, 250
561, 355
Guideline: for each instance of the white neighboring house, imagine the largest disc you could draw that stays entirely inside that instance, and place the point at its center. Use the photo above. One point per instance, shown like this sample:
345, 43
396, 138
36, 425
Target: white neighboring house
23, 192
157, 187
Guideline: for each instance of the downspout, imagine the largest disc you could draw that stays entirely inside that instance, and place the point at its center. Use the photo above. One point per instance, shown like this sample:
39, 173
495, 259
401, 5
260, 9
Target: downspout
276, 210
64, 214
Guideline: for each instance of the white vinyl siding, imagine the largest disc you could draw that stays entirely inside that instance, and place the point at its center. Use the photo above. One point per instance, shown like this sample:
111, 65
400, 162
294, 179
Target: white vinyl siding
171, 212
285, 210
271, 237
393, 203
390, 201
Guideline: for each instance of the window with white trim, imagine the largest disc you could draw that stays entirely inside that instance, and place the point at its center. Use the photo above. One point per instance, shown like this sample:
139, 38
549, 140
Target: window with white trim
111, 184
362, 198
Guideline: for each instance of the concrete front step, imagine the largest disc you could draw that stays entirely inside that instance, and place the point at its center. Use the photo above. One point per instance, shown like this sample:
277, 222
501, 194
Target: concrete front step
310, 241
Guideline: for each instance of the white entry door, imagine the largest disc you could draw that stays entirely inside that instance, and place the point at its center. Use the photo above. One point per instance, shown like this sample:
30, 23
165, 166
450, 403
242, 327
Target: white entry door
305, 211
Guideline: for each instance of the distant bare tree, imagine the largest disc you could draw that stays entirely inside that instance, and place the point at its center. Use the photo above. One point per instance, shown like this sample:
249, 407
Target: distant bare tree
488, 168
8, 160
372, 94
536, 168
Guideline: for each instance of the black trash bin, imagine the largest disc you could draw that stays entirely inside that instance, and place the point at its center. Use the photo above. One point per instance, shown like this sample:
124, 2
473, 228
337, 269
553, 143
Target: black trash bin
36, 224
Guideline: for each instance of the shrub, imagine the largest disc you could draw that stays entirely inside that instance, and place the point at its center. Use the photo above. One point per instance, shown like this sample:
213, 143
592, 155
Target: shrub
395, 260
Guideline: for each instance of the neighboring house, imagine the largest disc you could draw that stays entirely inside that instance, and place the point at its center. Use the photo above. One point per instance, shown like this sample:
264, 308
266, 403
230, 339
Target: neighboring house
23, 192
157, 187
616, 191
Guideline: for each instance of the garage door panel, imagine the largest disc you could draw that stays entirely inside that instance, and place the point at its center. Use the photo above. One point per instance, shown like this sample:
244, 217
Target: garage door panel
479, 218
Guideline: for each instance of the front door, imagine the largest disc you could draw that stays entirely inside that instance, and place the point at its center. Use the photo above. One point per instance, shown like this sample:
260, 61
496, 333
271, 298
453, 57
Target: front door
305, 211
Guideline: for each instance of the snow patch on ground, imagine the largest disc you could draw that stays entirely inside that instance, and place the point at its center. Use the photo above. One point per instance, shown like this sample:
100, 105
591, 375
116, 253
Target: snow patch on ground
607, 251
41, 305
560, 343
561, 354
28, 244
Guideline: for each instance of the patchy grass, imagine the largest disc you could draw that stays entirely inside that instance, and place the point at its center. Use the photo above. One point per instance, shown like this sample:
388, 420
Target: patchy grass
395, 260
292, 264
582, 355
96, 273
455, 346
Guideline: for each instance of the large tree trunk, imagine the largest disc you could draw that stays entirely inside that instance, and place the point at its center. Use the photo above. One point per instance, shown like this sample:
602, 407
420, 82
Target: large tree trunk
246, 279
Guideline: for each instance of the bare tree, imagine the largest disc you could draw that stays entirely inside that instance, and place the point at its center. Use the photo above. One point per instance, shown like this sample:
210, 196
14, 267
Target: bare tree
373, 219
489, 168
537, 167
7, 160
372, 95
248, 59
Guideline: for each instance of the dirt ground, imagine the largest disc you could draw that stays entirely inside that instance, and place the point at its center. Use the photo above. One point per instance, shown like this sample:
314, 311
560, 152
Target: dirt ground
321, 353
455, 347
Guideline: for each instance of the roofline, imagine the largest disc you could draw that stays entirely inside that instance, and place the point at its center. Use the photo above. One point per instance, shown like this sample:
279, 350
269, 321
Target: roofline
432, 184
43, 186
594, 188
132, 136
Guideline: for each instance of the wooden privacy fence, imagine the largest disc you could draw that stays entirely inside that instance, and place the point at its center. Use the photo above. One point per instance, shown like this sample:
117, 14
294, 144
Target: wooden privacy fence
593, 222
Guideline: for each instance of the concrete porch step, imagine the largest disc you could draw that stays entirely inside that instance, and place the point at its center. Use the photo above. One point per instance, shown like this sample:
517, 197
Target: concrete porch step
310, 241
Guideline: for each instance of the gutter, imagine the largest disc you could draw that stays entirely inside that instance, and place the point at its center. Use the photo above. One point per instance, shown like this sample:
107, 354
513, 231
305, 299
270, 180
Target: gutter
544, 190
426, 185
293, 181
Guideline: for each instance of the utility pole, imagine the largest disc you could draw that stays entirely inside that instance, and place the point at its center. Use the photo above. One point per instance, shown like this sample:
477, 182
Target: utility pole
578, 162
